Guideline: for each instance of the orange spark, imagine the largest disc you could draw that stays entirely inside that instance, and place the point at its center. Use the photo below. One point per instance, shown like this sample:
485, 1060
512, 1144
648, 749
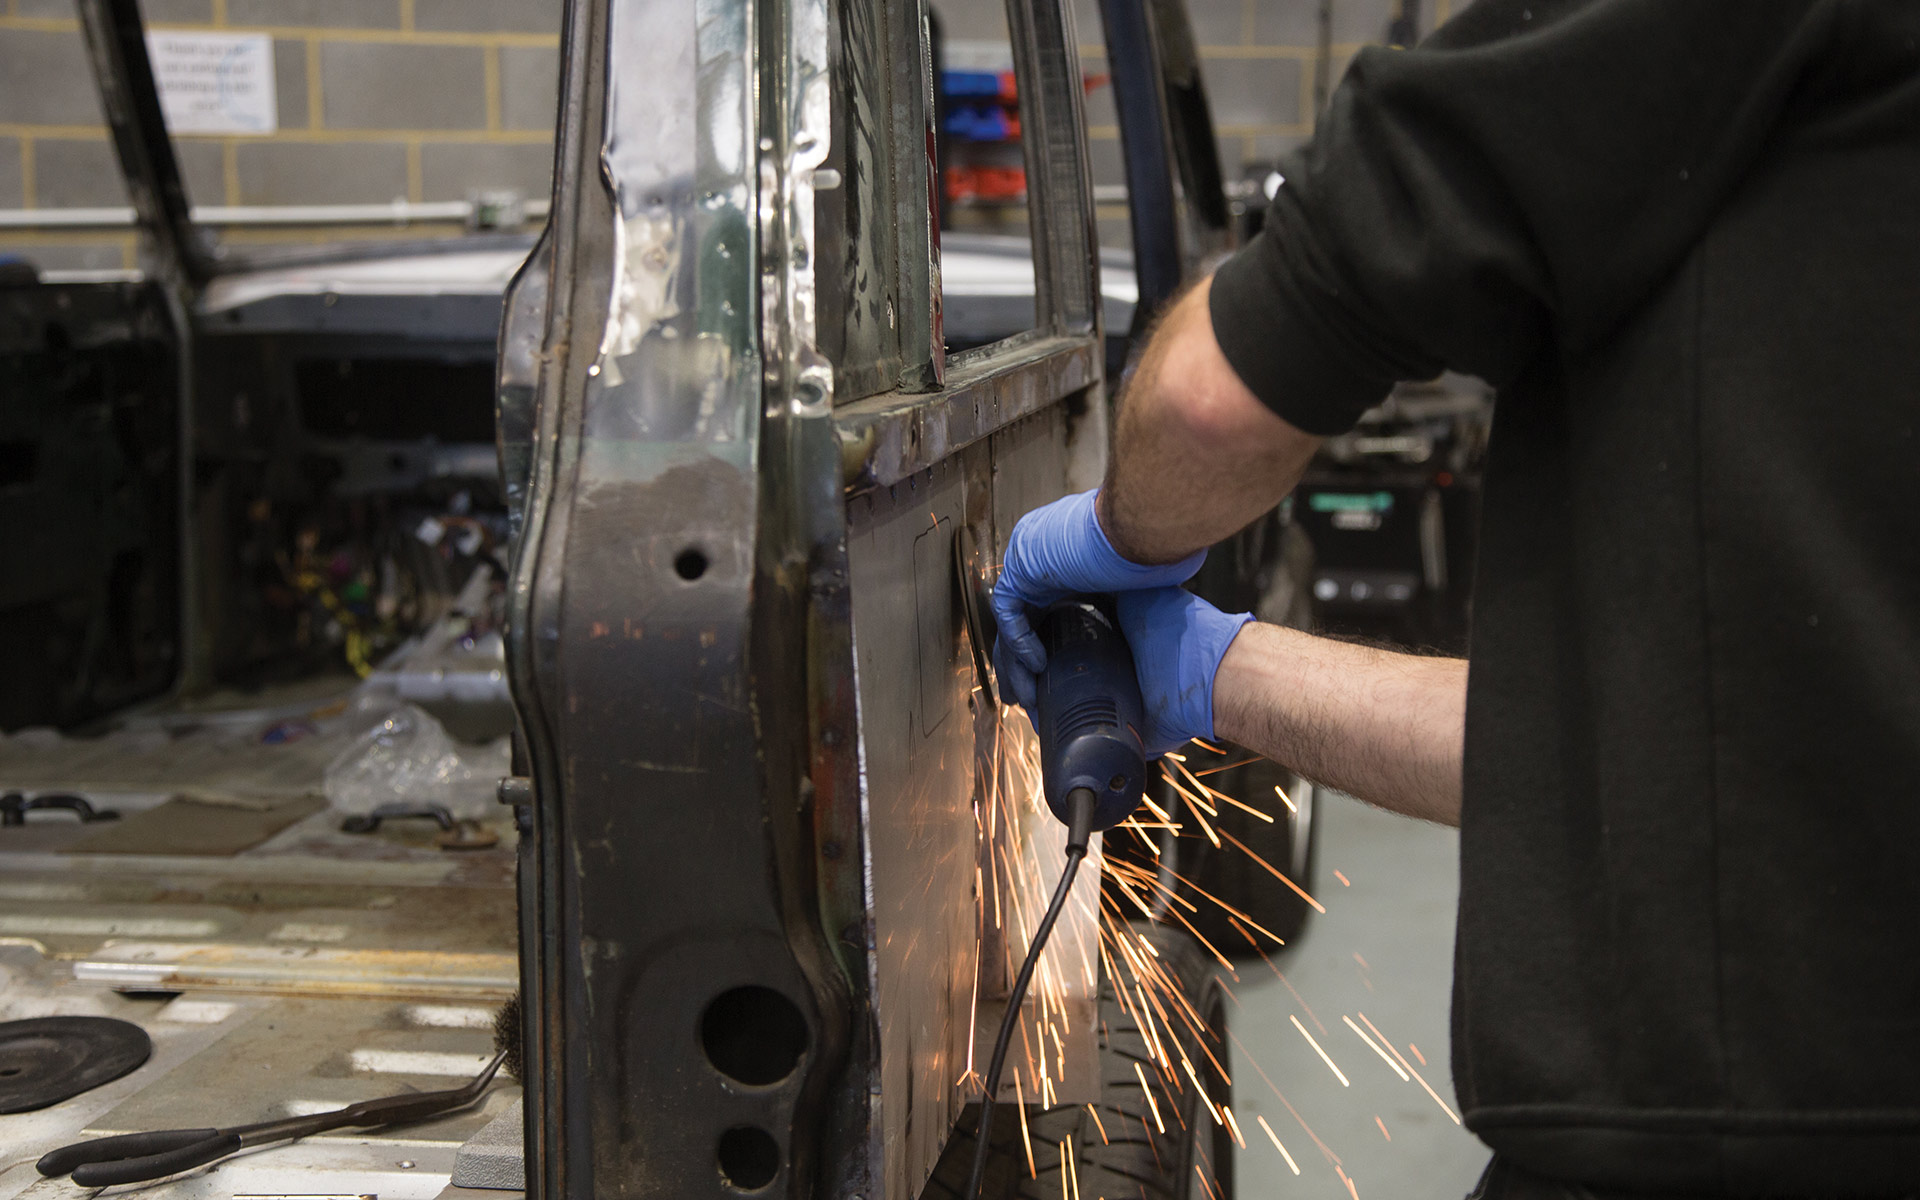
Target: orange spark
1244, 807
1195, 781
1026, 1138
1403, 1062
1099, 1124
1203, 1181
1202, 1089
1291, 1110
1234, 1126
1275, 872
1276, 1143
1148, 1092
1383, 1127
1344, 881
1417, 1054
1229, 766
1375, 1046
1317, 1050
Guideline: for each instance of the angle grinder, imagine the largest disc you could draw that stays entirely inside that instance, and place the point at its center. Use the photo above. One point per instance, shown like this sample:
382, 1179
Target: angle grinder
1093, 769
1090, 713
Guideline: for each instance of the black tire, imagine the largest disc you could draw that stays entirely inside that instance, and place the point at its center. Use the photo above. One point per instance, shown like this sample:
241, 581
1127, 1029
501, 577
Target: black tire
1266, 568
1124, 1154
1232, 875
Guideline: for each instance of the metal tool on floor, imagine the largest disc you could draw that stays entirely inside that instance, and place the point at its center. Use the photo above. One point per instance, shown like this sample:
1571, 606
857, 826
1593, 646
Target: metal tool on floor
140, 1157
14, 807
463, 833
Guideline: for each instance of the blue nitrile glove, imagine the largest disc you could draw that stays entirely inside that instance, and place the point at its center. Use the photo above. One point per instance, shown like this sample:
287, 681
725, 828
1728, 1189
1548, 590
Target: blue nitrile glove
1178, 640
1059, 550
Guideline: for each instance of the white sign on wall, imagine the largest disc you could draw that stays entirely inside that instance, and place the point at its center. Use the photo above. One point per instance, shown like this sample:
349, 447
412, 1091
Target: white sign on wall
215, 82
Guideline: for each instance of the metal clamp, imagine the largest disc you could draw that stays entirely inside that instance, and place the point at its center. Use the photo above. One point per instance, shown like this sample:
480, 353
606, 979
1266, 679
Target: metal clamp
455, 834
14, 807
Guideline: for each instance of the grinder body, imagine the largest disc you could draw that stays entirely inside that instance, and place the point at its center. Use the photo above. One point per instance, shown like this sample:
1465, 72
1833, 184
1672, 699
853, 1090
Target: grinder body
1090, 713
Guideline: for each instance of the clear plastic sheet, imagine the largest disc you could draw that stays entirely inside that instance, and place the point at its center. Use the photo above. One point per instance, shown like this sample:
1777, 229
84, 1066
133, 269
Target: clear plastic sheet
407, 757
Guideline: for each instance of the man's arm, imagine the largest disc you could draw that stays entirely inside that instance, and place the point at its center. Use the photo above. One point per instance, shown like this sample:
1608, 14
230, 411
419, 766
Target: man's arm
1384, 727
1196, 455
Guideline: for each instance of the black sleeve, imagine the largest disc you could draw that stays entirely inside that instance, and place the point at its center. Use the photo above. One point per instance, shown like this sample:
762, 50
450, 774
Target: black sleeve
1512, 187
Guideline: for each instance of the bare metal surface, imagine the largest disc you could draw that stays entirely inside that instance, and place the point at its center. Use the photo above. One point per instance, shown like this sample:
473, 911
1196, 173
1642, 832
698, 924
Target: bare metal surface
299, 1042
794, 788
888, 438
302, 970
953, 885
672, 863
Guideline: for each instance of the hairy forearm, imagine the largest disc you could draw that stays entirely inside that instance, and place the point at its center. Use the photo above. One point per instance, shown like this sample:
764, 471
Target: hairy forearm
1384, 727
1196, 456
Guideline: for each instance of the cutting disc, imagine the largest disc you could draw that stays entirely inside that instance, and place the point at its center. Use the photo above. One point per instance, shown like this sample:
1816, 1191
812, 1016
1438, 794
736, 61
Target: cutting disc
49, 1059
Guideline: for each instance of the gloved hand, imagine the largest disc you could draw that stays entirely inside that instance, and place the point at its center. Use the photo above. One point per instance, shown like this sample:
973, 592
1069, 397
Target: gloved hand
1059, 550
1178, 640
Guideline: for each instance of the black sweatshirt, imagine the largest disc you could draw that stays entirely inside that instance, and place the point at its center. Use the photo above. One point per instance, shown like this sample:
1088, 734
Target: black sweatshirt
1682, 238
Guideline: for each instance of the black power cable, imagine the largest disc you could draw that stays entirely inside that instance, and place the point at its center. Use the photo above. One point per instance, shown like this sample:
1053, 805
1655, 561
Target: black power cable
1080, 803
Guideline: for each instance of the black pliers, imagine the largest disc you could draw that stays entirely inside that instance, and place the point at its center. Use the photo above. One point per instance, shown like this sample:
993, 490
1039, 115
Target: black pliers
139, 1157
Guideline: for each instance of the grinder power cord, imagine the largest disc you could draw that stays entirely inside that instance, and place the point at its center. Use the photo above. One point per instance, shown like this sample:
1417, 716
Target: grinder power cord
1093, 769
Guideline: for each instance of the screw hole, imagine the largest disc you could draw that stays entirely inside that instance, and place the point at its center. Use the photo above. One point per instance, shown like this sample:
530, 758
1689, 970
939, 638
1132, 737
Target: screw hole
1117, 784
753, 1035
690, 564
749, 1158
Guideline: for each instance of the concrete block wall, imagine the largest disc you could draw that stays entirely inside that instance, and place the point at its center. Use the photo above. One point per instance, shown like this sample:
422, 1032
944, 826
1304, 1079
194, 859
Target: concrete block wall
1259, 60
427, 100
416, 100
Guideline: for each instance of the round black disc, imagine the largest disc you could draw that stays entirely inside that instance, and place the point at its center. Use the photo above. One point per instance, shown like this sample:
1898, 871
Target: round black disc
49, 1059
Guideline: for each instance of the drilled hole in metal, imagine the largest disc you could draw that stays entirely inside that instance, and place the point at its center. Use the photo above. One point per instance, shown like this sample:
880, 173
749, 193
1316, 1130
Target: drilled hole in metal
690, 564
753, 1035
749, 1158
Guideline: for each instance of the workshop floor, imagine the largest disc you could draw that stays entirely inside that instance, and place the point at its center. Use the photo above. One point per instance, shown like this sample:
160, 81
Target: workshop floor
1384, 949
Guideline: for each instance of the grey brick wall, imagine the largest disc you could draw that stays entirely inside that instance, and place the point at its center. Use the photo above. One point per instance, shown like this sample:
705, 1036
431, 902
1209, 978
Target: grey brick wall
71, 173
44, 78
338, 14
373, 86
12, 179
378, 100
487, 16
432, 99
529, 81
290, 82
447, 172
327, 173
1259, 58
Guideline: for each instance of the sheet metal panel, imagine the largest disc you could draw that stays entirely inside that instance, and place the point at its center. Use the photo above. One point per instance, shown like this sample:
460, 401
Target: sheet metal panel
926, 844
